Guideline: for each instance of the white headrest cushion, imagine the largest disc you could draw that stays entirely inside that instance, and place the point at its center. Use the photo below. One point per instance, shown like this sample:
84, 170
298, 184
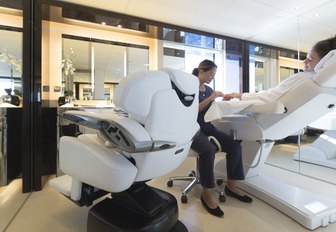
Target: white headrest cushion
181, 80
326, 60
134, 93
326, 72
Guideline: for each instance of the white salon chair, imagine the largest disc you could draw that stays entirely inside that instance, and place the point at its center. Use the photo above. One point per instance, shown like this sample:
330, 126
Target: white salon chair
128, 151
302, 105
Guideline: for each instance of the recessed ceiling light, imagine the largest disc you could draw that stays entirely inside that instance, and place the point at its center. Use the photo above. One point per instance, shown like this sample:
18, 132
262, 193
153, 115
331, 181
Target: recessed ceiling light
317, 15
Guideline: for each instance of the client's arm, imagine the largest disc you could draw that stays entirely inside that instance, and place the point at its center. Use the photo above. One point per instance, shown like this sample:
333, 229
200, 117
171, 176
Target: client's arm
272, 94
230, 96
203, 104
122, 132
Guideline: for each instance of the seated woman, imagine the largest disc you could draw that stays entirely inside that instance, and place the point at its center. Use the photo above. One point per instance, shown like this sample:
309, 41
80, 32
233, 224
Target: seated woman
206, 72
318, 51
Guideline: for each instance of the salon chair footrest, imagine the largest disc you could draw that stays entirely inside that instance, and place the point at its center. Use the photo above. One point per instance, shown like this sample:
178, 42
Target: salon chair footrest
109, 216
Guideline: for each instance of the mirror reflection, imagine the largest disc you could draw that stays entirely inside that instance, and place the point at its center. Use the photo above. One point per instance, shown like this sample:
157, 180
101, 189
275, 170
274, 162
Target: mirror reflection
310, 151
92, 68
268, 67
11, 196
99, 65
10, 61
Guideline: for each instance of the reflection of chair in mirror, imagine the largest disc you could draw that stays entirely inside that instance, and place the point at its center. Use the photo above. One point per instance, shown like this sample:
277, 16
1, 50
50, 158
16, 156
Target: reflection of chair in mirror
303, 104
128, 151
323, 150
194, 176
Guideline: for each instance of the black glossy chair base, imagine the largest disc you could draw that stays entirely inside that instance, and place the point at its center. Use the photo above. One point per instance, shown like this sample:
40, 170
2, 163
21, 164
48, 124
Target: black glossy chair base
111, 216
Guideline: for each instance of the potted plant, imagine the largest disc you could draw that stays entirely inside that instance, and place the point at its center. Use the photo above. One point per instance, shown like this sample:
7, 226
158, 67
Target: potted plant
12, 61
68, 71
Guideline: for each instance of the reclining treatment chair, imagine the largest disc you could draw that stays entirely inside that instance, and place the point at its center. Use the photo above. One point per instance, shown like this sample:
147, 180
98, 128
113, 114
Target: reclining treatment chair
257, 132
128, 151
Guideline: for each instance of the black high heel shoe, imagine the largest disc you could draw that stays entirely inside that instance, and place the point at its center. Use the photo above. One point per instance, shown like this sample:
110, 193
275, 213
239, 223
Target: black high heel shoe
244, 198
216, 211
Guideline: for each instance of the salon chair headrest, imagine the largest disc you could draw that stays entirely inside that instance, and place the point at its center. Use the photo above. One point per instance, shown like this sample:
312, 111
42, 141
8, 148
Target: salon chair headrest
326, 70
134, 94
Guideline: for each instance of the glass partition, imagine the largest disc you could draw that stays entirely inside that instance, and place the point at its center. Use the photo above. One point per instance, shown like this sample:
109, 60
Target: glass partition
317, 153
268, 66
311, 150
263, 66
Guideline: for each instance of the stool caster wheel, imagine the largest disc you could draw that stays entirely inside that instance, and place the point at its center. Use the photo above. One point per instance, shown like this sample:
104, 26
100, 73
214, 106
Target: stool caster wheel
219, 182
222, 198
193, 173
184, 199
170, 183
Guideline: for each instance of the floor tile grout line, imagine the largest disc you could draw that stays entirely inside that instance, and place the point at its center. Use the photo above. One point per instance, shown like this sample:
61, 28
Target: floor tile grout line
14, 216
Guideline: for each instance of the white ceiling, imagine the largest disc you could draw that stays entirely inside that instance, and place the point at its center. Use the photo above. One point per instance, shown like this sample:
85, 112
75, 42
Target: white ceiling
280, 23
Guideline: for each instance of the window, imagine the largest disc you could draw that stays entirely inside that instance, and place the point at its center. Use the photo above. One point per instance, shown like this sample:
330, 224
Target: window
269, 66
185, 50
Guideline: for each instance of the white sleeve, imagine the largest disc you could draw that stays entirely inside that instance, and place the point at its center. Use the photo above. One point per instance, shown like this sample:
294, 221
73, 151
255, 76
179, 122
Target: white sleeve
283, 87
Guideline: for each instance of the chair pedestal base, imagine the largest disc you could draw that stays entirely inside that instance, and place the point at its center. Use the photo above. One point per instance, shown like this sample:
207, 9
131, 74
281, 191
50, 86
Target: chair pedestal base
111, 216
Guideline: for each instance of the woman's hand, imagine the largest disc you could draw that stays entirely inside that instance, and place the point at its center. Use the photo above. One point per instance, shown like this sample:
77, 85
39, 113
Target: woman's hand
209, 99
216, 94
230, 96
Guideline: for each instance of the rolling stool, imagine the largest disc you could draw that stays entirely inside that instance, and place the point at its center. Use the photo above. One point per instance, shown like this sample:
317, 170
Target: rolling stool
194, 176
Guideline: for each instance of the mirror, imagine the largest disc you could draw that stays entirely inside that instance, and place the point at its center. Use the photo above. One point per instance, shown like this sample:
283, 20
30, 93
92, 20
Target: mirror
92, 67
317, 153
101, 62
269, 66
10, 60
11, 196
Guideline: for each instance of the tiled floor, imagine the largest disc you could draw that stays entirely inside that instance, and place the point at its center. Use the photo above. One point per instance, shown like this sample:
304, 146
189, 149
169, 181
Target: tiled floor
48, 210
11, 200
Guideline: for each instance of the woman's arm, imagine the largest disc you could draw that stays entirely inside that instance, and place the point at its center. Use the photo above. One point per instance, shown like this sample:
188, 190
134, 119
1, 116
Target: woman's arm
203, 104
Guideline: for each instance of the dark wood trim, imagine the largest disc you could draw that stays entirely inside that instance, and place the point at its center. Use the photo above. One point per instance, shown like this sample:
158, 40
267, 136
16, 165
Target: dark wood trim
81, 38
27, 91
7, 28
38, 136
31, 86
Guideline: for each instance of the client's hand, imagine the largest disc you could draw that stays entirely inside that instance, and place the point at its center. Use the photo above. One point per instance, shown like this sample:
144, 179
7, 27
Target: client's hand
216, 94
230, 96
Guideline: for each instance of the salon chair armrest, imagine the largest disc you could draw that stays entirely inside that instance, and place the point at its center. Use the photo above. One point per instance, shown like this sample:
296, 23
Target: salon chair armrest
266, 108
124, 133
219, 109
